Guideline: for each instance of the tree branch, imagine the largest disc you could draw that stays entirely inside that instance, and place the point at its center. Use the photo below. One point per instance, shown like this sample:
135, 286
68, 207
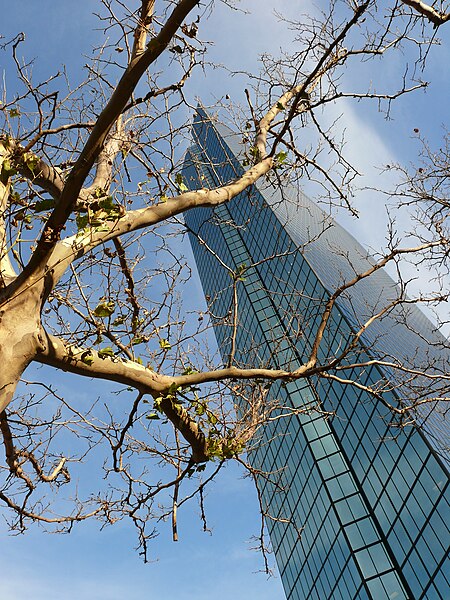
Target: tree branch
76, 246
89, 363
434, 16
97, 138
7, 272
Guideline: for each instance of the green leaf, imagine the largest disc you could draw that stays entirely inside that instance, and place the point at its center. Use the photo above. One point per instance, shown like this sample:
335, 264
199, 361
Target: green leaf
137, 340
280, 158
152, 416
119, 320
172, 389
98, 192
105, 309
135, 322
8, 170
112, 210
200, 409
87, 358
106, 203
164, 344
31, 160
104, 352
163, 198
179, 182
240, 272
189, 371
82, 221
212, 419
14, 112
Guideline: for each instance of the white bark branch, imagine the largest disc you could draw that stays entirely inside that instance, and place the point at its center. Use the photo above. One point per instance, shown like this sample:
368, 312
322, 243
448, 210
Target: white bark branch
96, 141
7, 272
73, 247
427, 11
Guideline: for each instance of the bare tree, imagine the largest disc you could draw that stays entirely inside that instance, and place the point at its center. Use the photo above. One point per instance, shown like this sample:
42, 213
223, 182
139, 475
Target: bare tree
90, 189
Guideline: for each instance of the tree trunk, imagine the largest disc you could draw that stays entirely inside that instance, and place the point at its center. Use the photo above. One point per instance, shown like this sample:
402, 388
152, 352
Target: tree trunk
20, 339
20, 323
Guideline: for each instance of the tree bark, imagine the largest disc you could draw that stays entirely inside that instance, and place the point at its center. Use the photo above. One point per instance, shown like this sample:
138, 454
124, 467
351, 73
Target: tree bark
20, 339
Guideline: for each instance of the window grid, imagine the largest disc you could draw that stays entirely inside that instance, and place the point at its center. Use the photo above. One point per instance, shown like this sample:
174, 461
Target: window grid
383, 505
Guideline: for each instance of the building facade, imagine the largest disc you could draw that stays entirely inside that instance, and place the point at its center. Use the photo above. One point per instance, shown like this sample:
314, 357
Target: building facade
358, 509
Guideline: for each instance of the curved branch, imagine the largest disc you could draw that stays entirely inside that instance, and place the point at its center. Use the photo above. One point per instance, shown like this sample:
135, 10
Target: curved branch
43, 175
7, 272
13, 455
74, 247
427, 11
89, 363
109, 115
23, 512
105, 162
141, 31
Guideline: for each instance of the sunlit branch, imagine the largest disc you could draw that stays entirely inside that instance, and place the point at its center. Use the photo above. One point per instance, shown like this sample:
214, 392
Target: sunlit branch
434, 16
97, 138
38, 516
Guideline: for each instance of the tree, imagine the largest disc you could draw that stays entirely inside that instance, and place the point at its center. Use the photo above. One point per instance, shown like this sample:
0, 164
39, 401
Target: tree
92, 175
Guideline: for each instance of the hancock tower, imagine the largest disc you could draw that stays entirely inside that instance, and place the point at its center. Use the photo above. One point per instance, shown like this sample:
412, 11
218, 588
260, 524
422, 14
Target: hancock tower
372, 502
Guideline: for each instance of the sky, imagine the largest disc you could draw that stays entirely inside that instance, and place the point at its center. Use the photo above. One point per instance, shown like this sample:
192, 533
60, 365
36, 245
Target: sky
102, 565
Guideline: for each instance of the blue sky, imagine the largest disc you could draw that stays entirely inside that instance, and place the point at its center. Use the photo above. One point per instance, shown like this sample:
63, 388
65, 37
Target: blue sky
102, 565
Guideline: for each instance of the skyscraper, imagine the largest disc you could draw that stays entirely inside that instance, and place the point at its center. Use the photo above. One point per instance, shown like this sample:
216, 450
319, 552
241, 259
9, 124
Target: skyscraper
358, 509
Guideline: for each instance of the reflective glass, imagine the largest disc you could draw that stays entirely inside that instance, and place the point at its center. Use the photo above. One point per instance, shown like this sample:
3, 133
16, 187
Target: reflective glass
359, 495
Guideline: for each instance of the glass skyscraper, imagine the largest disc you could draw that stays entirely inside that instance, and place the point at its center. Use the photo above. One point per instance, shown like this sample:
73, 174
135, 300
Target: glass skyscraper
358, 508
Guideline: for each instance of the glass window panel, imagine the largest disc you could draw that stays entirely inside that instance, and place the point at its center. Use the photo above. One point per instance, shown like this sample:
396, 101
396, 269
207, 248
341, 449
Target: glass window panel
362, 595
433, 594
341, 486
376, 588
436, 472
360, 534
332, 466
413, 580
373, 560
440, 580
324, 446
350, 509
387, 586
316, 429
